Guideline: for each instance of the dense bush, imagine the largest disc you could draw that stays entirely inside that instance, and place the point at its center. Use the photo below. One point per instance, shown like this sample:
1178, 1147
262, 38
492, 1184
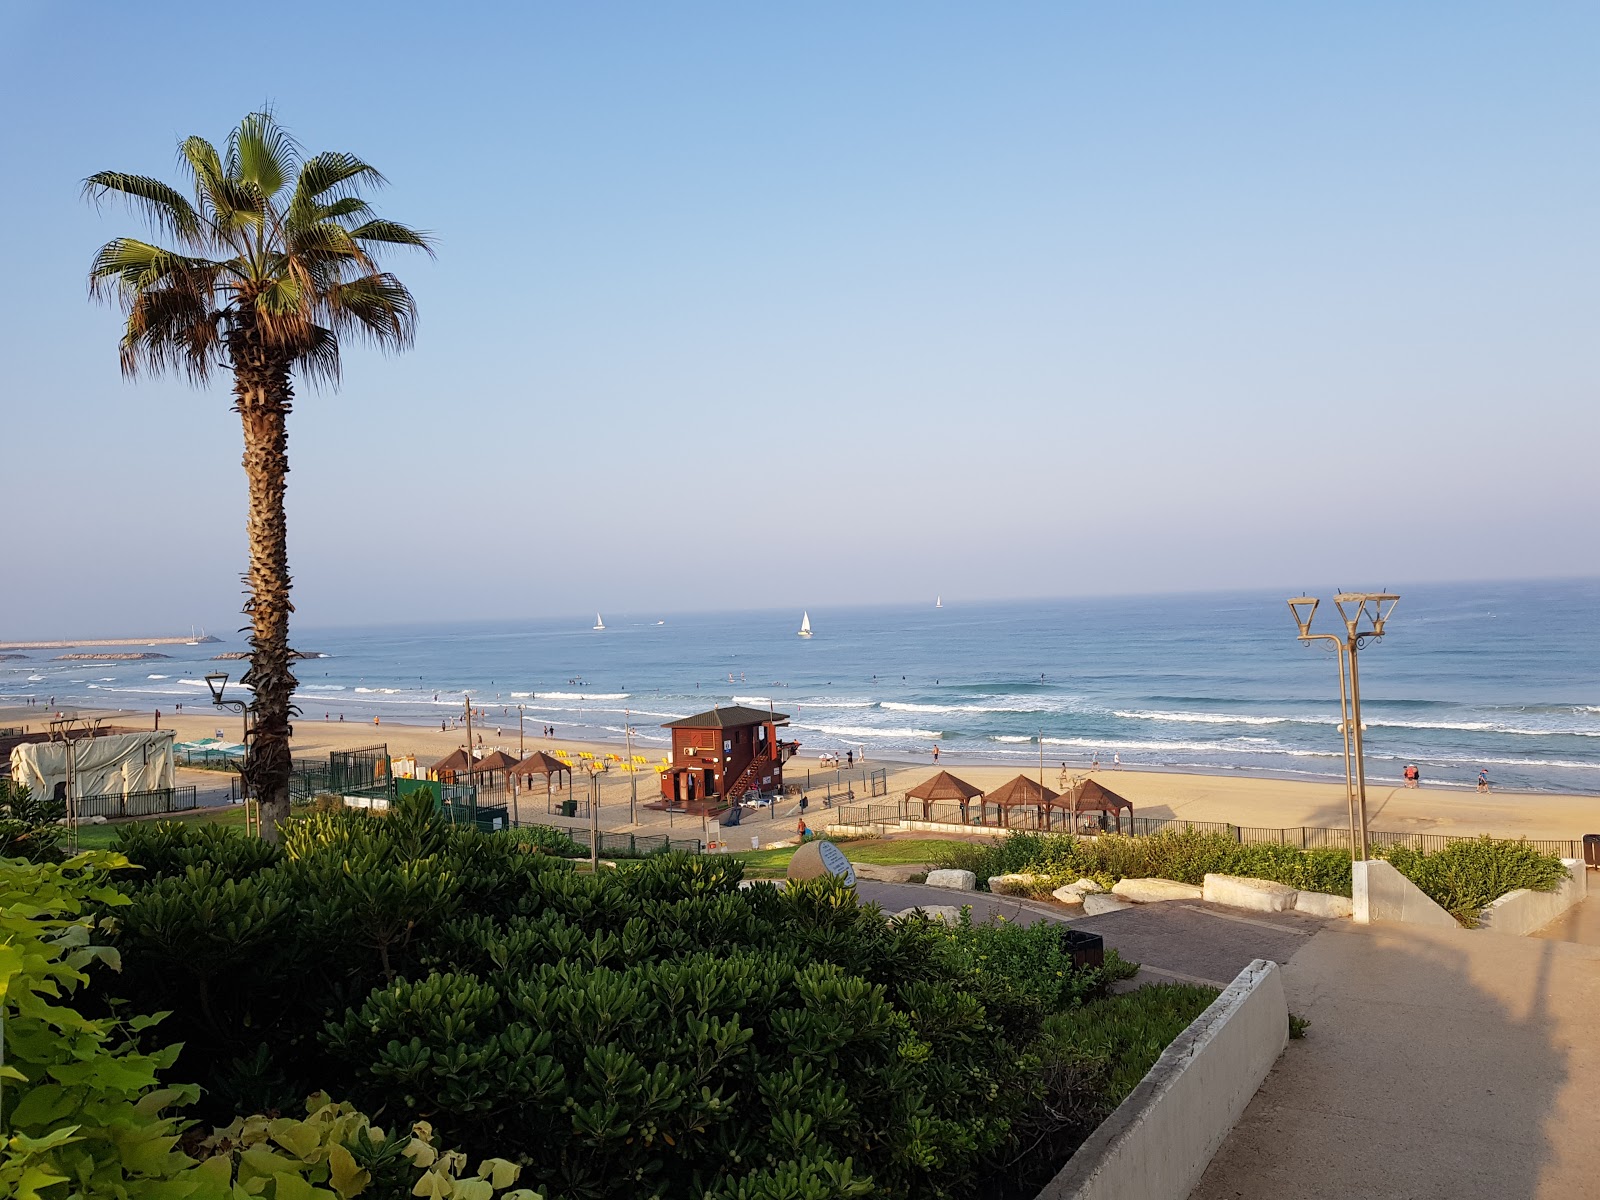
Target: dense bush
28, 824
1465, 877
1183, 855
653, 1030
1118, 1038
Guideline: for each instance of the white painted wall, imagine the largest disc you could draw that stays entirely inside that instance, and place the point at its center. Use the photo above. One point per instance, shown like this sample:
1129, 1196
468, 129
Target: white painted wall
1381, 893
1523, 911
1159, 1141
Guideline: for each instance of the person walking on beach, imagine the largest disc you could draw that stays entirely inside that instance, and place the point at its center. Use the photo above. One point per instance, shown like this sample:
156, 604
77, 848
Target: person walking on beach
801, 830
1411, 775
1116, 762
1483, 780
936, 752
849, 755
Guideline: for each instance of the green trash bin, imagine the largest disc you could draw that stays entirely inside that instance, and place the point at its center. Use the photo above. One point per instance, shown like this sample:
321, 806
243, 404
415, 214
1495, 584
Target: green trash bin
569, 808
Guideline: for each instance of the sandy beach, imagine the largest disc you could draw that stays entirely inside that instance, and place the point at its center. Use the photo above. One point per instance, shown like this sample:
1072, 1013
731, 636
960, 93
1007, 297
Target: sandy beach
1239, 800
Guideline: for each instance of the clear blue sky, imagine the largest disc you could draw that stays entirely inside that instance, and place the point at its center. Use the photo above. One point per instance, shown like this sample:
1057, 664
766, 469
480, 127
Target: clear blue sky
982, 300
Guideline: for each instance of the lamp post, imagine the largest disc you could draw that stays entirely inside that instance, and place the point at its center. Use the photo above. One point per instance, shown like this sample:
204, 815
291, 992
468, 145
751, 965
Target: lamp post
217, 681
1364, 615
633, 772
521, 752
594, 818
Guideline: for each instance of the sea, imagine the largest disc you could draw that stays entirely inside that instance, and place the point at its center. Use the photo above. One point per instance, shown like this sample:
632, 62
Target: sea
1503, 677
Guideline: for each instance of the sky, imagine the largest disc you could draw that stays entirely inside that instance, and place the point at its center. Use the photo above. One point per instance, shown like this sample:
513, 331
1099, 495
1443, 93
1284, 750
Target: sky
743, 306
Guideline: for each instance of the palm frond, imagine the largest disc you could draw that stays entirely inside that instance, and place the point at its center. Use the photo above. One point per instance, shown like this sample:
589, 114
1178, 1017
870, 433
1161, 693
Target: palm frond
163, 206
346, 206
377, 306
136, 265
201, 157
262, 154
319, 361
332, 169
170, 327
325, 240
393, 233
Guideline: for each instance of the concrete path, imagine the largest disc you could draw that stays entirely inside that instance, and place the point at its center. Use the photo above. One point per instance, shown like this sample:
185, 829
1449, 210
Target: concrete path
1440, 1063
1175, 940
1580, 923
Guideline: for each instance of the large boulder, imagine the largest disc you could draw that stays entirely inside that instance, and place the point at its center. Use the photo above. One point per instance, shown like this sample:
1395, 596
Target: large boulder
1148, 891
1098, 903
1083, 887
961, 881
1014, 885
1067, 896
948, 913
1261, 895
1321, 904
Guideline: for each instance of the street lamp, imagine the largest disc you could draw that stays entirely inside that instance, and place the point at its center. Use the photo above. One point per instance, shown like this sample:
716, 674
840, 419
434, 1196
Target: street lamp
633, 771
217, 681
1364, 615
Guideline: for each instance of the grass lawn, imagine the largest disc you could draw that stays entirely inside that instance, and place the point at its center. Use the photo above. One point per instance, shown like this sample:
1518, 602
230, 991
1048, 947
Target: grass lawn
104, 837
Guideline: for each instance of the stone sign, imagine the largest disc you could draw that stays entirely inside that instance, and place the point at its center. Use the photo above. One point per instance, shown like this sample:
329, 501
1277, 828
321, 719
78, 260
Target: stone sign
815, 859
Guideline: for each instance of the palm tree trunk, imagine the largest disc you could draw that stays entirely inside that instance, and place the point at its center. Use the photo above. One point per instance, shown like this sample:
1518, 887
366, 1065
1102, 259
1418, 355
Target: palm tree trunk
263, 397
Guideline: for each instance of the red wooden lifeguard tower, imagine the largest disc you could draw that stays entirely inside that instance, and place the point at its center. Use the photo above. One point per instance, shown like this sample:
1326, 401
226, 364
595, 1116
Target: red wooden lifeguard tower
720, 755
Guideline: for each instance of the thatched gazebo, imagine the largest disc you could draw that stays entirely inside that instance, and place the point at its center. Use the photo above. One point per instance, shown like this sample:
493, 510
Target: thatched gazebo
540, 763
447, 768
943, 787
1092, 796
1021, 792
495, 760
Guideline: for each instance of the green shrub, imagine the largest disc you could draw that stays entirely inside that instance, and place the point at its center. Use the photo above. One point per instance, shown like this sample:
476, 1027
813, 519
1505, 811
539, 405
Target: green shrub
1120, 1037
650, 1030
1466, 877
28, 824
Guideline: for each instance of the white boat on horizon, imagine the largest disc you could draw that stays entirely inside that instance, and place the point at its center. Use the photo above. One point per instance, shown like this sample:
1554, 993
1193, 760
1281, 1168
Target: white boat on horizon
598, 623
938, 601
805, 624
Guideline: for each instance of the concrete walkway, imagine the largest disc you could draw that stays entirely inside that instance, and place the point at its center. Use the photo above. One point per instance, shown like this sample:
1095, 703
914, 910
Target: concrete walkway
1440, 1063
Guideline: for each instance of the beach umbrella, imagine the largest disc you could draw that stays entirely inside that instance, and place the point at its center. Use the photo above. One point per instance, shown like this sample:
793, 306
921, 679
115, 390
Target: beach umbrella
540, 763
1092, 796
454, 763
495, 760
943, 787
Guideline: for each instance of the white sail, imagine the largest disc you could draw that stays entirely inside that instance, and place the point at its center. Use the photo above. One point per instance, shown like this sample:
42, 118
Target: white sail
598, 623
805, 624
938, 601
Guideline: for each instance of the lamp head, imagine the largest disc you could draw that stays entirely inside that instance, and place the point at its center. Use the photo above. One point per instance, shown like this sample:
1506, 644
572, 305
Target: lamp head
216, 681
1304, 608
1365, 613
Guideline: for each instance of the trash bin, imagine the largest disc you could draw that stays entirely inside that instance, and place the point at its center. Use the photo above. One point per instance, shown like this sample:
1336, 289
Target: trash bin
1087, 949
1591, 850
569, 808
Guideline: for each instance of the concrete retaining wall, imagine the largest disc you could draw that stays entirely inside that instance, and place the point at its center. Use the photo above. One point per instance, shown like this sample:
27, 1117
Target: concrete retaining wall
1523, 911
1158, 1142
1381, 893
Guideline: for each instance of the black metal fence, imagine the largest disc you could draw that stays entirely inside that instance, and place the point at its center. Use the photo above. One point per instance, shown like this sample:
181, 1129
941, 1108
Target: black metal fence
139, 804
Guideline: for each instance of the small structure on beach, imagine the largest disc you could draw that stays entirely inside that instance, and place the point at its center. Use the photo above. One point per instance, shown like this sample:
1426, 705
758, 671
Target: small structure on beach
495, 760
943, 788
1021, 792
1091, 796
540, 763
720, 755
457, 762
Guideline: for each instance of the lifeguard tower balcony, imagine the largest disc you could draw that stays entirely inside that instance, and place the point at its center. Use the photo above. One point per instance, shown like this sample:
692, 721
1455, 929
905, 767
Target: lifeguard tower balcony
721, 755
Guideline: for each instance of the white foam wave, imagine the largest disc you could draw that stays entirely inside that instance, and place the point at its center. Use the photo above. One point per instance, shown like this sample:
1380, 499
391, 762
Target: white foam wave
1206, 718
831, 704
157, 676
584, 695
754, 701
867, 731
1009, 737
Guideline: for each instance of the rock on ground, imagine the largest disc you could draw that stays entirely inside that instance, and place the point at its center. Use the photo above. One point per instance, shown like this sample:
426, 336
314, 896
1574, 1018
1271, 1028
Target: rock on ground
948, 913
961, 881
1084, 887
1261, 895
1321, 904
1014, 885
1097, 903
1149, 891
1067, 896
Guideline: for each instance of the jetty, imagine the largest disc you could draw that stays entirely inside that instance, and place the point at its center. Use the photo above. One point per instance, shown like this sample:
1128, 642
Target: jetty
73, 643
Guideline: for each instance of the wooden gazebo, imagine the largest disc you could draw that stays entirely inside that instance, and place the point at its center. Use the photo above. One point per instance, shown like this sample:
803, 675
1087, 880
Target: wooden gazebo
943, 787
495, 760
540, 763
1021, 792
1091, 796
447, 768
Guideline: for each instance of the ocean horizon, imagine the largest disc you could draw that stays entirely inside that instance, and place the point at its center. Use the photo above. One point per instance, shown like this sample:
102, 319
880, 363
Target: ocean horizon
1496, 676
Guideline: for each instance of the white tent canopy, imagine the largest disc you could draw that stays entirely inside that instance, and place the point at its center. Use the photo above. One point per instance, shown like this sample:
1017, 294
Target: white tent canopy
101, 766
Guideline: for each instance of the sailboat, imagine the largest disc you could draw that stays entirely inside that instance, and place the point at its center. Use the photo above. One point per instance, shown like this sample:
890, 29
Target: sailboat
598, 623
938, 601
805, 624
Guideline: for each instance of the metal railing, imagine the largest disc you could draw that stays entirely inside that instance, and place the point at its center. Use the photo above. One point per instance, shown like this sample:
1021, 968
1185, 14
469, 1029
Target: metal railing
138, 804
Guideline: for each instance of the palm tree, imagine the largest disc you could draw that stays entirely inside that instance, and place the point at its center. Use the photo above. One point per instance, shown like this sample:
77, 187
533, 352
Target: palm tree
274, 263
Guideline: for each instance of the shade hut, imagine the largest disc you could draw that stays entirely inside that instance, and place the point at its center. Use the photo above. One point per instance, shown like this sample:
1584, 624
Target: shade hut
495, 760
1092, 796
943, 787
1021, 792
540, 763
452, 764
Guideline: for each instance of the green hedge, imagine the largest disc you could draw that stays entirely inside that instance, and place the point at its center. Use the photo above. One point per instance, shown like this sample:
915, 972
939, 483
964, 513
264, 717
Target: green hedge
1466, 877
651, 1031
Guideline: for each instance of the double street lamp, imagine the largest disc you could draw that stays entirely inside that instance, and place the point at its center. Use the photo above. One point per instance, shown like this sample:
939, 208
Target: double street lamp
217, 681
1364, 615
